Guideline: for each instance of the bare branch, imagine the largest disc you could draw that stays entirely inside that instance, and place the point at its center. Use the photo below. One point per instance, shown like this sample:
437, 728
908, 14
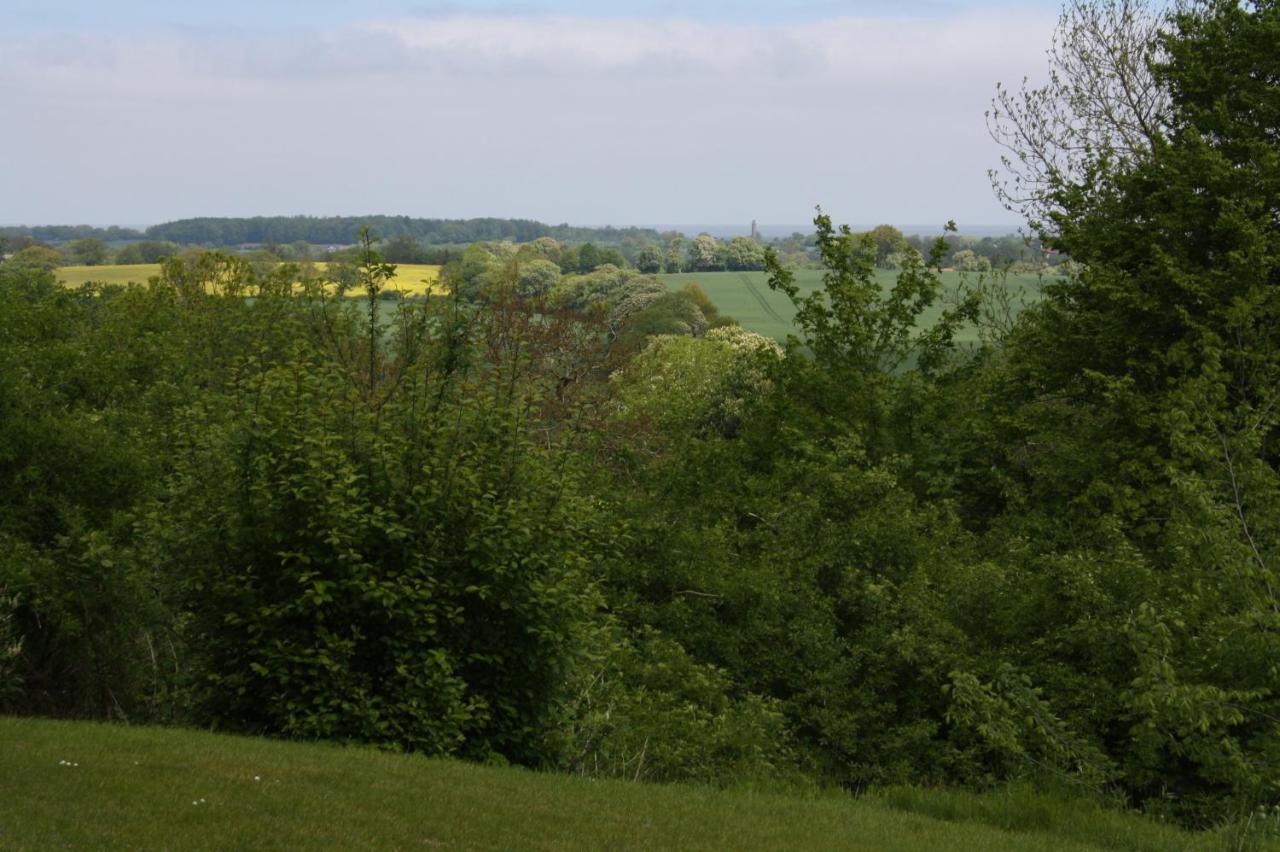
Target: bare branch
1102, 107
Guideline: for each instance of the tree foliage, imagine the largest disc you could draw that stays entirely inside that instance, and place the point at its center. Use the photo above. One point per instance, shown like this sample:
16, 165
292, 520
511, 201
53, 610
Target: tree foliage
1102, 107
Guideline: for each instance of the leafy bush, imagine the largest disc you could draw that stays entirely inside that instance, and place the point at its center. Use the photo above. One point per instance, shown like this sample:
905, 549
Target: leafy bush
646, 711
76, 457
406, 569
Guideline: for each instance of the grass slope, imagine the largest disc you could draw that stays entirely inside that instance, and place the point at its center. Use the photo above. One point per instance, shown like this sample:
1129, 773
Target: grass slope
746, 296
88, 785
414, 279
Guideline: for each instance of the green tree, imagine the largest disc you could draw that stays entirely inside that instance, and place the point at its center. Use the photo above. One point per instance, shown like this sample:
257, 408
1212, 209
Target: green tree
966, 260
89, 251
546, 248
608, 291
888, 241
476, 271
324, 592
611, 256
589, 258
569, 260
674, 254
85, 406
537, 278
35, 258
704, 254
744, 253
1152, 372
403, 249
147, 251
649, 259
663, 314
1103, 104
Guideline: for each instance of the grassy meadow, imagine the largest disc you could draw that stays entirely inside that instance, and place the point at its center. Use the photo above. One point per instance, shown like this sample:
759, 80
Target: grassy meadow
414, 279
100, 786
746, 296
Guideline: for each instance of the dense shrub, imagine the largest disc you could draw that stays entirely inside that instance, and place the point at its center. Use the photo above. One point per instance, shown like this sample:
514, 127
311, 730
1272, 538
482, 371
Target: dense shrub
77, 455
647, 711
389, 575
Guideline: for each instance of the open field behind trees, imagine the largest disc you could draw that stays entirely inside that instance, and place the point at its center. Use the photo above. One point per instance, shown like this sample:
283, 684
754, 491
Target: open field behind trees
100, 786
140, 273
746, 296
414, 279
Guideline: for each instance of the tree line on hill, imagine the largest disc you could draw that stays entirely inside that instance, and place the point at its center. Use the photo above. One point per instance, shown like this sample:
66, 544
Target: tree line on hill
675, 253
645, 250
219, 232
67, 233
556, 520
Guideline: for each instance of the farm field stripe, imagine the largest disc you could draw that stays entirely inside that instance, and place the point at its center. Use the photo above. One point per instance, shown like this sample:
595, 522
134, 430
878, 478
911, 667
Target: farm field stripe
768, 308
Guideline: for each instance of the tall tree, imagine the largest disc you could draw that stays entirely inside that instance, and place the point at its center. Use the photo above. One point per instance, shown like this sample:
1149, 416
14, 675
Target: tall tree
704, 253
88, 251
649, 259
1102, 106
1147, 393
888, 241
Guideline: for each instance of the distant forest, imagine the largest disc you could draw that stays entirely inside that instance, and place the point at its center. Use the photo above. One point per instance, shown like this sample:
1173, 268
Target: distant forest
230, 231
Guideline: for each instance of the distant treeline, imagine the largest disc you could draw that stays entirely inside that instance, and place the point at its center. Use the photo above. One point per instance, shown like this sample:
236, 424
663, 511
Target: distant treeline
230, 231
66, 233
438, 241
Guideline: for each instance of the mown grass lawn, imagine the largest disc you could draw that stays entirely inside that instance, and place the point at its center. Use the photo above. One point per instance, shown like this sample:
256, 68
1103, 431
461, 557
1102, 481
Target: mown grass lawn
96, 786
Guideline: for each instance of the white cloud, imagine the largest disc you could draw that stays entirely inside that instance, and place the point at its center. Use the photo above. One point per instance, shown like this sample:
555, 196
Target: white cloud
890, 46
548, 45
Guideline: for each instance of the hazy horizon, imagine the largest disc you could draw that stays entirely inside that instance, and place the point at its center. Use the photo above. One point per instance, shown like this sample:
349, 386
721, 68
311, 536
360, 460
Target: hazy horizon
723, 230
138, 111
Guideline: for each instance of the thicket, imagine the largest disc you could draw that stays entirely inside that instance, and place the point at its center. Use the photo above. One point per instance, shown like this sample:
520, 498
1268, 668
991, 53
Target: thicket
484, 527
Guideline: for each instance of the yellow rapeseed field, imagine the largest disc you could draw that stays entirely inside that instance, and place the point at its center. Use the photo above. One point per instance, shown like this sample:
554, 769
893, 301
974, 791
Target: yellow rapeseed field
413, 279
74, 276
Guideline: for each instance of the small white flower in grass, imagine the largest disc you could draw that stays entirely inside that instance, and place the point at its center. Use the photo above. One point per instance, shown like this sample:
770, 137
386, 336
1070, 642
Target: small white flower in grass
257, 778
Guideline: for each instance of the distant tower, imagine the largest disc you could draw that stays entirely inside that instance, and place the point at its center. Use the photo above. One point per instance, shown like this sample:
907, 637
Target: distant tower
755, 232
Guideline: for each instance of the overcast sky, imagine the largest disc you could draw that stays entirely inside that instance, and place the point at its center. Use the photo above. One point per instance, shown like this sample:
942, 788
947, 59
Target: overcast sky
650, 112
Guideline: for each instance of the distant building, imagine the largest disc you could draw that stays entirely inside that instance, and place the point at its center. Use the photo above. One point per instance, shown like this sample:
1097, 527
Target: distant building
755, 232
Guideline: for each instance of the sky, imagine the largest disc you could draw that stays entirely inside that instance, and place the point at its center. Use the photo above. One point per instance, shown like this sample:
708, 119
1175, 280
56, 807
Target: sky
631, 112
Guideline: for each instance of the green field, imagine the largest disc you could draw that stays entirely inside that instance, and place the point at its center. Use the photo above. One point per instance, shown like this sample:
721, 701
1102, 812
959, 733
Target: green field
746, 296
414, 279
97, 786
